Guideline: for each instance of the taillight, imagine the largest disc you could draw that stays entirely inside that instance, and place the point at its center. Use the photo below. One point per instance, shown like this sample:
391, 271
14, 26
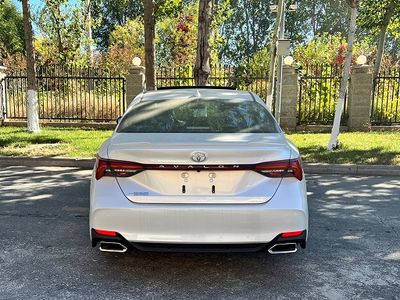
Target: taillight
281, 168
116, 168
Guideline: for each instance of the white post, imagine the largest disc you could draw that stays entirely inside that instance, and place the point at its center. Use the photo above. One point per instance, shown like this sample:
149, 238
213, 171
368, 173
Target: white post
2, 93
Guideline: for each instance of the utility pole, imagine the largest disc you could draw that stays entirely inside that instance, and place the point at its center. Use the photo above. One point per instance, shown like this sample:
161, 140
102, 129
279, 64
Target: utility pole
281, 48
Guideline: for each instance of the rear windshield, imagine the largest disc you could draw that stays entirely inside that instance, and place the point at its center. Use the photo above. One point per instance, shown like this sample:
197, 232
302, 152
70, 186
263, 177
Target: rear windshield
198, 116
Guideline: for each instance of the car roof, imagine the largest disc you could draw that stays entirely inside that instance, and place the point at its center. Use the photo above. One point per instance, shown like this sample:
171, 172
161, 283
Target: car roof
200, 93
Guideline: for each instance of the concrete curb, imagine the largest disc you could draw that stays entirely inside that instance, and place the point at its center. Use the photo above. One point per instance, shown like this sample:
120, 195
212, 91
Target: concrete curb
82, 163
352, 169
309, 168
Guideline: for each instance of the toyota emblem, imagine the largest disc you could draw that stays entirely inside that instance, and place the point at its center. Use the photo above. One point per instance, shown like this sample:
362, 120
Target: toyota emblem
198, 156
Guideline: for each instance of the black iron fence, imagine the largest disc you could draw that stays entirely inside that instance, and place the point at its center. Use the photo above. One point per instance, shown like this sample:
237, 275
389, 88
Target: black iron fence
91, 95
68, 94
318, 95
386, 98
237, 77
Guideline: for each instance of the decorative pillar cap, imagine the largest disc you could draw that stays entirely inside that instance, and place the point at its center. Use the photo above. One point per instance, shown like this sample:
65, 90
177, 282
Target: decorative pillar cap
137, 70
289, 69
362, 69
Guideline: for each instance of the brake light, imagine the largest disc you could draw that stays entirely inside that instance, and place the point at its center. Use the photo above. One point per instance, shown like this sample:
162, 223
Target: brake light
116, 168
282, 168
292, 234
105, 232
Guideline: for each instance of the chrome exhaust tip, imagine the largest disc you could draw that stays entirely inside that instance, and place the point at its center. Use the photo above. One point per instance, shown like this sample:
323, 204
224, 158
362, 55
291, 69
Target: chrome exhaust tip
112, 247
283, 248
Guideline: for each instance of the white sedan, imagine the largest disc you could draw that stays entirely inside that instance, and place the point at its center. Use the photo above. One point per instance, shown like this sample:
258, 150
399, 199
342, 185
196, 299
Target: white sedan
198, 169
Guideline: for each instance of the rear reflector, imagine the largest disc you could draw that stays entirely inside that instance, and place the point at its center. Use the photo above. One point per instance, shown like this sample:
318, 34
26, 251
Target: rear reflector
105, 232
282, 168
292, 234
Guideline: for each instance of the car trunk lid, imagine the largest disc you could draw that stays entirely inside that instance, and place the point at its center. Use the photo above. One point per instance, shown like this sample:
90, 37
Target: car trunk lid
225, 176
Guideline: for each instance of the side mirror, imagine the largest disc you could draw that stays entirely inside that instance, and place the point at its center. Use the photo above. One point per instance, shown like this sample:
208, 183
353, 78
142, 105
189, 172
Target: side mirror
118, 119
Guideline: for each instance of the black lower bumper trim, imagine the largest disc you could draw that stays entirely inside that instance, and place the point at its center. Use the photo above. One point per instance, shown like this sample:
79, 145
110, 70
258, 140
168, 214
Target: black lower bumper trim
163, 247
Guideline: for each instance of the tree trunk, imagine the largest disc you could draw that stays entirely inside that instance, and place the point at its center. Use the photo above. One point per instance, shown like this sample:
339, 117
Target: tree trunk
382, 36
333, 142
32, 110
271, 74
202, 68
149, 34
88, 23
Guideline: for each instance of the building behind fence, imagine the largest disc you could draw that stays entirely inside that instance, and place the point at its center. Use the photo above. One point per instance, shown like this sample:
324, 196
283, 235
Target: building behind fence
310, 93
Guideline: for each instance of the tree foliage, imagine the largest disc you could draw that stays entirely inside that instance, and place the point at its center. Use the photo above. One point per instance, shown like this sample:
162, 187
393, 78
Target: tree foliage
241, 31
372, 18
11, 29
112, 13
316, 17
126, 42
62, 27
176, 38
246, 30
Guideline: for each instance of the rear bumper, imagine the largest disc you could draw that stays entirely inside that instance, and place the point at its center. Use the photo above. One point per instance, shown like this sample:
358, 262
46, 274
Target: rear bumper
167, 247
198, 224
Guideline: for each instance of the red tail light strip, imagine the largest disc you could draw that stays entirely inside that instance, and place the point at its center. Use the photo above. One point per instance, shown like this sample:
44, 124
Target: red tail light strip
292, 234
105, 232
282, 168
116, 168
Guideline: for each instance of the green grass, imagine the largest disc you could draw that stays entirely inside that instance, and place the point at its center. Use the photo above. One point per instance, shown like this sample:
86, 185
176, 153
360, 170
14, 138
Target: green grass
373, 148
58, 142
356, 147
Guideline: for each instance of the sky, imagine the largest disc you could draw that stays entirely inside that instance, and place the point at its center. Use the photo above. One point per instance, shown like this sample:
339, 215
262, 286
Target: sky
35, 4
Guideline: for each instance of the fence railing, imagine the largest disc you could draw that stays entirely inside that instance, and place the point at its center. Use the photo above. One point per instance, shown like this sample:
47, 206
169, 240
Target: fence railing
68, 94
385, 108
90, 95
318, 95
237, 77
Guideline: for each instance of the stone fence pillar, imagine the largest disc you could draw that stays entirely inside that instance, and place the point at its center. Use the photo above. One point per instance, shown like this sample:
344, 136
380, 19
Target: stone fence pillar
2, 92
135, 83
290, 80
360, 97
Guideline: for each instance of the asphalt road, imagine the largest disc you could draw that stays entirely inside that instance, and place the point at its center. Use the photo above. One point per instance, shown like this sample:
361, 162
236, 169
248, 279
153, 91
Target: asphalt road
353, 249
